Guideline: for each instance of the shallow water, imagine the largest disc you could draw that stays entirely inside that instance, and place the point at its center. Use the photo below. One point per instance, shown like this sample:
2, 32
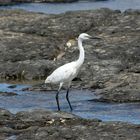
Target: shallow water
80, 99
57, 8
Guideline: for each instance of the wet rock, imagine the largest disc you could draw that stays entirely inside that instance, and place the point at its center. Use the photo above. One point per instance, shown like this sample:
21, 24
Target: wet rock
5, 120
7, 93
121, 95
4, 113
41, 114
38, 41
41, 124
12, 86
122, 88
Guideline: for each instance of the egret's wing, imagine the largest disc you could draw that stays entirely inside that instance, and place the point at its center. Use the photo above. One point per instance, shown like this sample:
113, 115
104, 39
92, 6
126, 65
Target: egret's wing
64, 73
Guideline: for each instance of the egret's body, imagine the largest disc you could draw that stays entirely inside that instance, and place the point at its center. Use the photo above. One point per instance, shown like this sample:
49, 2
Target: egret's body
67, 72
63, 74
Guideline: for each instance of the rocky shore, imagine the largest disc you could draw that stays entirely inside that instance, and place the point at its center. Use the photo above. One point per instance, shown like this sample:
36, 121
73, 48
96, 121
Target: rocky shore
41, 124
32, 45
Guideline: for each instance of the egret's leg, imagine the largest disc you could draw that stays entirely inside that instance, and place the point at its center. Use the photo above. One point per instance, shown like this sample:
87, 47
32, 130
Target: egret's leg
57, 96
57, 100
67, 97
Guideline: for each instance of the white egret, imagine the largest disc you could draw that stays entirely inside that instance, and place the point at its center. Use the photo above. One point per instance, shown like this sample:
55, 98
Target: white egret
67, 72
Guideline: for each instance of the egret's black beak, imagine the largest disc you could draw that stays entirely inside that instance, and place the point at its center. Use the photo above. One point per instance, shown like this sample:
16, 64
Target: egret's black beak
94, 37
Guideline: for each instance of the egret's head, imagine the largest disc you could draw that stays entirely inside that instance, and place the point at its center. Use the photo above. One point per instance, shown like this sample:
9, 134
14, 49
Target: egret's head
85, 36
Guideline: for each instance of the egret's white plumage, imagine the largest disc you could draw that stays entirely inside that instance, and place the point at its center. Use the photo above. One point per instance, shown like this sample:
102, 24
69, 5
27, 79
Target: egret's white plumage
67, 72
63, 74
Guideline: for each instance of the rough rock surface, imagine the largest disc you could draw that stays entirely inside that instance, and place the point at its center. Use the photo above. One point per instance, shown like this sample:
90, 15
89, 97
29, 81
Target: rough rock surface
41, 124
30, 42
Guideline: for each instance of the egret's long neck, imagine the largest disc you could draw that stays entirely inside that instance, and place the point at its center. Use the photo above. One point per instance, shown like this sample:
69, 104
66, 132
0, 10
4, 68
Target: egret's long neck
82, 53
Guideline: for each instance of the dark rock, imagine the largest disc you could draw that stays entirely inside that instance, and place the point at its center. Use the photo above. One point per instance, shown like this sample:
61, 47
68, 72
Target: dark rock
6, 119
121, 95
132, 11
41, 124
12, 86
4, 113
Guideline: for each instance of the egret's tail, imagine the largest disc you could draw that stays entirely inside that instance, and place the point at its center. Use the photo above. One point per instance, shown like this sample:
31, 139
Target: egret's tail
46, 81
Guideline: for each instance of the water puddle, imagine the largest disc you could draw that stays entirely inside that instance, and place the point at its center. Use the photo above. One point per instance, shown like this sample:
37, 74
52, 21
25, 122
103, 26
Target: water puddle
80, 100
